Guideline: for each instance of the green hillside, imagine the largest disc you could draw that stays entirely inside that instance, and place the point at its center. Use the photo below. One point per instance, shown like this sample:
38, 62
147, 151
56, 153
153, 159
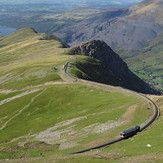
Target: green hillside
45, 114
92, 69
147, 63
28, 58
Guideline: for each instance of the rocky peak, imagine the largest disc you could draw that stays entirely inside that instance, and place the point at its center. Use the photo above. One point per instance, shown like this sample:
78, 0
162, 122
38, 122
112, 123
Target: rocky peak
98, 49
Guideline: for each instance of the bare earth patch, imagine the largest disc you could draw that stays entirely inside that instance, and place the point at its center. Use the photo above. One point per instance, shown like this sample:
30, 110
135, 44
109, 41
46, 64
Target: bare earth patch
103, 127
64, 137
70, 136
129, 113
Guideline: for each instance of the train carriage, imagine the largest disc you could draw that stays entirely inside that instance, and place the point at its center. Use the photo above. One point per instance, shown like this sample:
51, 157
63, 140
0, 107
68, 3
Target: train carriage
130, 132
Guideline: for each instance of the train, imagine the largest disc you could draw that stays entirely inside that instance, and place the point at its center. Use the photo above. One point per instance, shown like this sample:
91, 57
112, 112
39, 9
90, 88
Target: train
130, 132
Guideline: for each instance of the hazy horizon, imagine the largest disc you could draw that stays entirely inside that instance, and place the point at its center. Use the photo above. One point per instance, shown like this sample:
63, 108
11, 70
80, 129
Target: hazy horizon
88, 3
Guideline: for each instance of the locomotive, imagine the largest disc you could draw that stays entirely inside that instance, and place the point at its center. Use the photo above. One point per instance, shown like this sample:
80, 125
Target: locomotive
130, 132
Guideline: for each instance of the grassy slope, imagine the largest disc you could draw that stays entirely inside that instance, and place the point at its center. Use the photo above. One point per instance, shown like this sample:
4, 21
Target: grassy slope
131, 150
54, 104
92, 69
57, 106
29, 60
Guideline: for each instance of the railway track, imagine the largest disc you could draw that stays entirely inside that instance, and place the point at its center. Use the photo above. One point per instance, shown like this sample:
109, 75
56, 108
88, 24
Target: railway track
143, 126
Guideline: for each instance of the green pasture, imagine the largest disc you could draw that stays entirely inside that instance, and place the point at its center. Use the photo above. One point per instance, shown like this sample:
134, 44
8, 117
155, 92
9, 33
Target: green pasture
58, 103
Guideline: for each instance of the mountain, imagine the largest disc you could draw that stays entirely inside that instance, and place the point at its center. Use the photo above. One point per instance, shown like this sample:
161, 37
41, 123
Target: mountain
135, 33
21, 51
45, 113
117, 70
128, 28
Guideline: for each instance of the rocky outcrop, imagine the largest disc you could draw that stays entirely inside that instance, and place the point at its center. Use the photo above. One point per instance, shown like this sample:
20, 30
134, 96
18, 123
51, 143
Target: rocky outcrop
111, 61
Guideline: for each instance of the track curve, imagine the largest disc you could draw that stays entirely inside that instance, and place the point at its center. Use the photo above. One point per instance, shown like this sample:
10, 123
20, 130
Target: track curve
143, 126
154, 116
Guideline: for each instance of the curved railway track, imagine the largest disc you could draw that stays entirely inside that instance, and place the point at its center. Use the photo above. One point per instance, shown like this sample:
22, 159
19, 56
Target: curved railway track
143, 126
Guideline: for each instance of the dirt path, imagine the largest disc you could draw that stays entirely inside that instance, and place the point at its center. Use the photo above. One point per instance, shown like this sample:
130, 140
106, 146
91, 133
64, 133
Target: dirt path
35, 86
21, 110
18, 96
64, 75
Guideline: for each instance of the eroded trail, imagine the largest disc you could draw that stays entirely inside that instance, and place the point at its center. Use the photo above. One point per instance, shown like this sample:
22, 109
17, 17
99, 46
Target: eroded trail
21, 110
18, 96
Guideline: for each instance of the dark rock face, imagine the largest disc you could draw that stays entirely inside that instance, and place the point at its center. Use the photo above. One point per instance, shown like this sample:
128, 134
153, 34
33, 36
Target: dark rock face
98, 49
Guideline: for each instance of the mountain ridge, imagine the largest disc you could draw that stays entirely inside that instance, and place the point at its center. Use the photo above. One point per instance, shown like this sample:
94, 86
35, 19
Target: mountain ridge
99, 50
136, 36
128, 27
112, 65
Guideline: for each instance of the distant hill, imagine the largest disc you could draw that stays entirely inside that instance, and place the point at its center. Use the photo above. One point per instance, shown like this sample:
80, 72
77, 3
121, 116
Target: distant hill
128, 28
67, 4
147, 62
106, 67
